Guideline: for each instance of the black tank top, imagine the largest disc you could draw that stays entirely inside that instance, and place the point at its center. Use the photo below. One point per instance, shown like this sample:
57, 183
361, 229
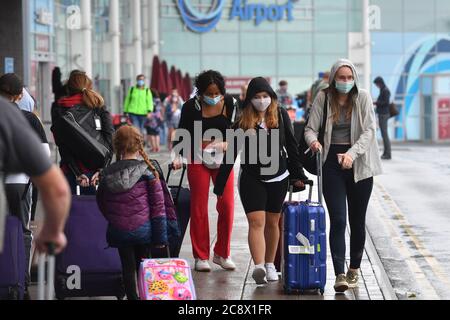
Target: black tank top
219, 122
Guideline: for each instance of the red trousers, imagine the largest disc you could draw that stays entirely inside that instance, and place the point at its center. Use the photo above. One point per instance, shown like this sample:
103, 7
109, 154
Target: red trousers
199, 181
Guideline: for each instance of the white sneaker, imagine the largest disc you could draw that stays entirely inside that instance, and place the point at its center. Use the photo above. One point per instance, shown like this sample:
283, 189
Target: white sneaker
272, 274
226, 264
202, 265
259, 275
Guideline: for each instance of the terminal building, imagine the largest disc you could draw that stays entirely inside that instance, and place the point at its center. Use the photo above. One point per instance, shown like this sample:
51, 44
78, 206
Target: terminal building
407, 42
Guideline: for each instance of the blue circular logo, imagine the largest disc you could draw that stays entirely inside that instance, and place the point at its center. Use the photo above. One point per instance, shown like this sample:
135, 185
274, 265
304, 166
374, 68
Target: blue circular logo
198, 21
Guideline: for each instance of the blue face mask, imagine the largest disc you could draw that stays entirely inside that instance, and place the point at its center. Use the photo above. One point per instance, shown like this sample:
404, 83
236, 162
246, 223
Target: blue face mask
345, 87
212, 101
141, 83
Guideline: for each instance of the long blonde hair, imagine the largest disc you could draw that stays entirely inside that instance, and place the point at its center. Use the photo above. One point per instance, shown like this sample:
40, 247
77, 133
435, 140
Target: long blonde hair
79, 82
250, 118
128, 139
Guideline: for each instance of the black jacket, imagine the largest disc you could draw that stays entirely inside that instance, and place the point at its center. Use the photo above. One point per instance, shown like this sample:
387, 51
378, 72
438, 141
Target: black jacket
384, 100
69, 160
288, 161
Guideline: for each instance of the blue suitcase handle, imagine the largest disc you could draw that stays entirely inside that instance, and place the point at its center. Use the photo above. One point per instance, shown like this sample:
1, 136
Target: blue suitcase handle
319, 163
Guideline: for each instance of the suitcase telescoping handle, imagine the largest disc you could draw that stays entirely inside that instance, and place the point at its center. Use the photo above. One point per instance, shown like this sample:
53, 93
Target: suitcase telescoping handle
183, 173
310, 183
46, 292
171, 169
319, 163
78, 190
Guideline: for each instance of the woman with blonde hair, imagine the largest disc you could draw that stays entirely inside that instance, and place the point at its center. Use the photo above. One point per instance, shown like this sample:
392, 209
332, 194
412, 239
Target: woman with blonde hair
89, 106
263, 194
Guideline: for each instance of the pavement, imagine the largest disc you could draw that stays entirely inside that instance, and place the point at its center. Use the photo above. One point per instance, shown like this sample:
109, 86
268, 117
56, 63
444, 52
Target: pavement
409, 223
238, 285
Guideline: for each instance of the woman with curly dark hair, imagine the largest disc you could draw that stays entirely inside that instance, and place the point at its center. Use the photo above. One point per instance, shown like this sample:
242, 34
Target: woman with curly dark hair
213, 109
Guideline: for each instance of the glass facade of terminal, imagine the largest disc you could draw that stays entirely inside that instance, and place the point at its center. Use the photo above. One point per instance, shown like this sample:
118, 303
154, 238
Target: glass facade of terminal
294, 50
410, 48
412, 52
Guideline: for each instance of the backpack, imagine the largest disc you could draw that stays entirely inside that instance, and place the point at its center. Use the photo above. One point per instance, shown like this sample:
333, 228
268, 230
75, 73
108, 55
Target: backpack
307, 157
132, 90
76, 129
231, 104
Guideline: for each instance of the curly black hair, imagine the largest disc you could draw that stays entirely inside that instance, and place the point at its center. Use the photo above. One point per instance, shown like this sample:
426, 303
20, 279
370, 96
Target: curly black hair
207, 78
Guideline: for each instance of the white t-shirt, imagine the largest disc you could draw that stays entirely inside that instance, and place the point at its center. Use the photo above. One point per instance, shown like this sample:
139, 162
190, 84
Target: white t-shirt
22, 178
263, 125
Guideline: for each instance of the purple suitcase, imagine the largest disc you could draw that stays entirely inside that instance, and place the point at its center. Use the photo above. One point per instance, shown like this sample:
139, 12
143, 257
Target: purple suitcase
87, 251
12, 261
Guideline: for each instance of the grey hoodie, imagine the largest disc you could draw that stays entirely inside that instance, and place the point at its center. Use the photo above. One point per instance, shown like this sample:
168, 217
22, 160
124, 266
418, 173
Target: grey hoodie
122, 176
27, 102
364, 150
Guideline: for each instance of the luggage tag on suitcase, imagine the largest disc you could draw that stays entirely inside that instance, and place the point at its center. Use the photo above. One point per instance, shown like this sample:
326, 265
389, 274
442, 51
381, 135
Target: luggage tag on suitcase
305, 248
98, 123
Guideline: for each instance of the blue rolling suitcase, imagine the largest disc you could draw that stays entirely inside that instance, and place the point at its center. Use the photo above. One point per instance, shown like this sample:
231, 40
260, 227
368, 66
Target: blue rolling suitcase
305, 243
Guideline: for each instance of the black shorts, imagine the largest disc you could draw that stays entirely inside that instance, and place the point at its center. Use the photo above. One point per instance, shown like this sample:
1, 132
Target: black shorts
153, 131
261, 196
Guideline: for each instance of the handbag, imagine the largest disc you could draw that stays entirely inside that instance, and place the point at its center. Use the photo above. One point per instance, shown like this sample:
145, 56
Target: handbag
86, 145
283, 150
393, 110
307, 157
211, 157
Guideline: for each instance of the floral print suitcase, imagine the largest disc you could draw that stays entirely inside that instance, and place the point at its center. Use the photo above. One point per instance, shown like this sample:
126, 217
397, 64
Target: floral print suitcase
166, 279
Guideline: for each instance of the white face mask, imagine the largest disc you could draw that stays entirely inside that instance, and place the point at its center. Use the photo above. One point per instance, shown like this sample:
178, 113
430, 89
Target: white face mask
262, 104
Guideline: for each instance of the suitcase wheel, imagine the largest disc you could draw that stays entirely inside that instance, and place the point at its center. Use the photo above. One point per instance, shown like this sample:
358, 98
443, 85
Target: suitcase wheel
13, 293
322, 291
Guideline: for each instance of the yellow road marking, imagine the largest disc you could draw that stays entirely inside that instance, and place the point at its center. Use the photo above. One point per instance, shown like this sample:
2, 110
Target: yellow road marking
431, 260
428, 291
